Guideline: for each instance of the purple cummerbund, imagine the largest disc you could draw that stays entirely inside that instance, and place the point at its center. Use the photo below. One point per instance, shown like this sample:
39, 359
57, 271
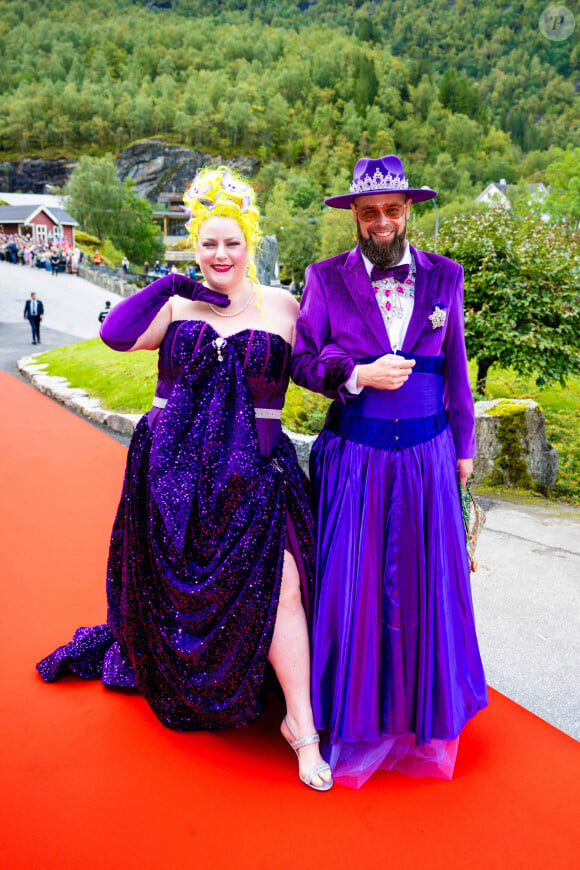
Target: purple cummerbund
395, 419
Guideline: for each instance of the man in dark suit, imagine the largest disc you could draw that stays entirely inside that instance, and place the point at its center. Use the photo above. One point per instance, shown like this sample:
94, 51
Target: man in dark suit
33, 312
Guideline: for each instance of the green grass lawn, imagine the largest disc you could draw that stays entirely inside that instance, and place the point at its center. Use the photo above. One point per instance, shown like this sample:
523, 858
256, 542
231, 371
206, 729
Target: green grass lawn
125, 382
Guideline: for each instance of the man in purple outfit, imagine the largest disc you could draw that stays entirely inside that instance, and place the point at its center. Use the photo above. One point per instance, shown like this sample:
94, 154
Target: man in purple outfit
396, 666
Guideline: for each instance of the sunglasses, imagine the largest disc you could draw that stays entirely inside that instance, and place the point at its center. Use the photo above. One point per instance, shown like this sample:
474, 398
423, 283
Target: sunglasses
370, 213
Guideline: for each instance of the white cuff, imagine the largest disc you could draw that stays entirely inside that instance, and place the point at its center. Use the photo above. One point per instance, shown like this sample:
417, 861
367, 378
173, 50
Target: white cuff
351, 385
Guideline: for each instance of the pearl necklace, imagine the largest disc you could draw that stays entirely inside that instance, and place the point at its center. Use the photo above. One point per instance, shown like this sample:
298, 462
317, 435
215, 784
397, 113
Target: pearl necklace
235, 313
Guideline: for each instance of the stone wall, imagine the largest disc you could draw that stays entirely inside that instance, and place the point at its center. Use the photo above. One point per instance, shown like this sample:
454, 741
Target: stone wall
512, 448
511, 435
109, 279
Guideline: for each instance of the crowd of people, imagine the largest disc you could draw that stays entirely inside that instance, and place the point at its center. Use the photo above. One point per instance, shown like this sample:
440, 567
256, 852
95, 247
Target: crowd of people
26, 251
60, 256
159, 269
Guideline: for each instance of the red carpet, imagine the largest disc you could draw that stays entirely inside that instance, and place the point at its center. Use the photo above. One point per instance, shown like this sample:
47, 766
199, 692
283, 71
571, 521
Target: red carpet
92, 780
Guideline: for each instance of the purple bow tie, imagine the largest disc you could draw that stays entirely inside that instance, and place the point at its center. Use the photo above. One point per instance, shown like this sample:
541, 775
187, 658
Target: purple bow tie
399, 273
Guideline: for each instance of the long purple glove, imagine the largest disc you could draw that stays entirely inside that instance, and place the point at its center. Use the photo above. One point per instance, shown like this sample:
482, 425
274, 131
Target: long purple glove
130, 318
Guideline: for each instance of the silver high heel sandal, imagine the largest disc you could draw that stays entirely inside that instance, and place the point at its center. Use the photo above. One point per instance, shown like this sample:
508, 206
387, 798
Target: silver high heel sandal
296, 745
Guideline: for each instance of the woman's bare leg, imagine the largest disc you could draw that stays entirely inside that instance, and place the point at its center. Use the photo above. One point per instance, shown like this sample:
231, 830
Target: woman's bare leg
290, 657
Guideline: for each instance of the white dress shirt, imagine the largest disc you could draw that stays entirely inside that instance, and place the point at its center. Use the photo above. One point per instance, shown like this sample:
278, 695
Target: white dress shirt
396, 327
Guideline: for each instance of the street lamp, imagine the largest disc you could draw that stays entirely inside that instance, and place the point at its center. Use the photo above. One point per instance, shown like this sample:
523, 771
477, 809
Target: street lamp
424, 187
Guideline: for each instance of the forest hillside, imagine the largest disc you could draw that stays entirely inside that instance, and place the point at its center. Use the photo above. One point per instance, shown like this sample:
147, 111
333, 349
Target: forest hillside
283, 80
466, 91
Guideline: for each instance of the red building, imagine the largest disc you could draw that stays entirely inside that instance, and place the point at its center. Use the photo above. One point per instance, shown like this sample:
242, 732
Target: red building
40, 222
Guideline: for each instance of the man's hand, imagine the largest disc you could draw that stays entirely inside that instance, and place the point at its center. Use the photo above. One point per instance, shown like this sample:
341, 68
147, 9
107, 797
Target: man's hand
464, 470
389, 372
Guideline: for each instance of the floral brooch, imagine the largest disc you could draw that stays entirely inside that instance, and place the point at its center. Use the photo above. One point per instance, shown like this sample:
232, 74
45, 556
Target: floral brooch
437, 316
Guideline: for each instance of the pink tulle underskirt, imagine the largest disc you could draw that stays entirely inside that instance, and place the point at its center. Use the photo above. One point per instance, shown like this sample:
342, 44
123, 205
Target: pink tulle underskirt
354, 762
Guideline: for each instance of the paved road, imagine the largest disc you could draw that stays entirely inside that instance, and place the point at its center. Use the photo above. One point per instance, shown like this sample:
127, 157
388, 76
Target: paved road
71, 303
16, 342
526, 594
526, 589
71, 308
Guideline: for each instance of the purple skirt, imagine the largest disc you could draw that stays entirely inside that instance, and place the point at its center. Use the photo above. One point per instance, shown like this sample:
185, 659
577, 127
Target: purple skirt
396, 667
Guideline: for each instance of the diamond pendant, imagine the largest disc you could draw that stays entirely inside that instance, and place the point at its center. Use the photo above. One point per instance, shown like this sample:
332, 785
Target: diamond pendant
219, 344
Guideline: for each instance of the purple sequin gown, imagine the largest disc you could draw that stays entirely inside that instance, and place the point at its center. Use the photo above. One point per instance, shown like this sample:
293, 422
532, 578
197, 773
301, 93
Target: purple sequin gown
212, 496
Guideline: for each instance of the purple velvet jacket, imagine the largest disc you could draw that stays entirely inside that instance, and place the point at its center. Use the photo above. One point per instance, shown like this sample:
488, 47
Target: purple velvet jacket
340, 323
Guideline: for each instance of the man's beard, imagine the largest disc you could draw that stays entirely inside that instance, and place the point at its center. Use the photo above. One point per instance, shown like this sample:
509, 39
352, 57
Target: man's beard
382, 254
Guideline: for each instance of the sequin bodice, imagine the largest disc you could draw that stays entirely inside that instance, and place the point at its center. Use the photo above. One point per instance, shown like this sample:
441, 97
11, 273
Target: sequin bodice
265, 357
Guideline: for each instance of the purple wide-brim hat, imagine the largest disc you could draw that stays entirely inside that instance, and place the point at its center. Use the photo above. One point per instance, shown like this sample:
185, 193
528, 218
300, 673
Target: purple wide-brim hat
384, 175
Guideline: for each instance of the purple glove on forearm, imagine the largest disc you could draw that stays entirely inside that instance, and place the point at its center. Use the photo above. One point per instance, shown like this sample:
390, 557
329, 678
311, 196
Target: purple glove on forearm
131, 318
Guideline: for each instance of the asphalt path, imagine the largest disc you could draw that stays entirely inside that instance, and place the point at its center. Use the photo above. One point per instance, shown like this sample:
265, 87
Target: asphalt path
526, 590
71, 304
71, 314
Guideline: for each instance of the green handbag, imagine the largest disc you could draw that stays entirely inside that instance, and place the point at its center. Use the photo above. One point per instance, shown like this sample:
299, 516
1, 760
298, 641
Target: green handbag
473, 521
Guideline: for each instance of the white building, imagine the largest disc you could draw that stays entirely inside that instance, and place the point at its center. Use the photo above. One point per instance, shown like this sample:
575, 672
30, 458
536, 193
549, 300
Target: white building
496, 193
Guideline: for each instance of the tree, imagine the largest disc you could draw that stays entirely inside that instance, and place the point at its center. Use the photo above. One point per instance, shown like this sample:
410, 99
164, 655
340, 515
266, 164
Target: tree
299, 243
110, 209
351, 123
365, 81
521, 294
425, 218
460, 95
424, 95
563, 175
449, 179
138, 235
461, 134
237, 116
367, 30
95, 195
298, 233
337, 232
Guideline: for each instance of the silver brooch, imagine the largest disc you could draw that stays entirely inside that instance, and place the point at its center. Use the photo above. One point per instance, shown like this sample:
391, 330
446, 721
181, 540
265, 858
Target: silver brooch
438, 316
219, 344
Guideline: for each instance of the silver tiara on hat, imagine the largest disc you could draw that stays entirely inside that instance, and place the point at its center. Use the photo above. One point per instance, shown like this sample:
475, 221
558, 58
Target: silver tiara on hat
378, 181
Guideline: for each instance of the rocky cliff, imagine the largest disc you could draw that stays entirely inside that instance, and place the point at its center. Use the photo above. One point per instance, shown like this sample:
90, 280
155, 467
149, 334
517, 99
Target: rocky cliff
155, 166
34, 175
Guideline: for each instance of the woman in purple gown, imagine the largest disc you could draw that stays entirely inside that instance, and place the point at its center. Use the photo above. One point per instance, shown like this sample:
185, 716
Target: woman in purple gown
211, 561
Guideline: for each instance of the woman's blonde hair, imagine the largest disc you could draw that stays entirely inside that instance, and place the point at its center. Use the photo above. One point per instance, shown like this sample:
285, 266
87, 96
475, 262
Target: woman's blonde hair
219, 192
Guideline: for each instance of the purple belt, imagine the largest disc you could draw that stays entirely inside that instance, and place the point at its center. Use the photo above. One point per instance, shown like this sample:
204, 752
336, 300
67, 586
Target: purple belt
395, 419
385, 434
